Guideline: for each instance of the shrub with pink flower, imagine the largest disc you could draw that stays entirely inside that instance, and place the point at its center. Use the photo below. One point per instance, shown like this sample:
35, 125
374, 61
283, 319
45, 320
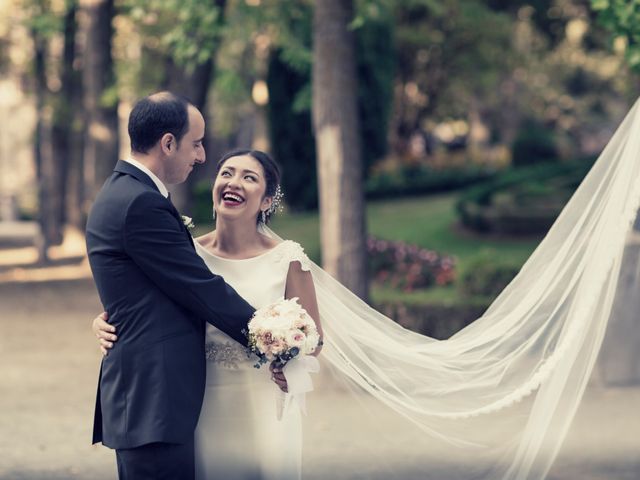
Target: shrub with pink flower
408, 267
282, 331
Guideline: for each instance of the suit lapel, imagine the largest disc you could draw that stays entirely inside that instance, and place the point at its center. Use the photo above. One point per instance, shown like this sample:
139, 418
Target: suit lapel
186, 230
179, 217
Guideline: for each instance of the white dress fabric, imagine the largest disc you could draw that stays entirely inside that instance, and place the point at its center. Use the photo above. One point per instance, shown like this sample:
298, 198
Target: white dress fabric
493, 402
239, 436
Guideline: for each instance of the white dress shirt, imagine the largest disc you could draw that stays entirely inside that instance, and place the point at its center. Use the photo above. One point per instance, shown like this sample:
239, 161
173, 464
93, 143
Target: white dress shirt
156, 180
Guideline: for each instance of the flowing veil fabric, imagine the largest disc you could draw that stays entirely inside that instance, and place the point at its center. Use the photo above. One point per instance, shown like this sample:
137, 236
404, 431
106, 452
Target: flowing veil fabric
523, 366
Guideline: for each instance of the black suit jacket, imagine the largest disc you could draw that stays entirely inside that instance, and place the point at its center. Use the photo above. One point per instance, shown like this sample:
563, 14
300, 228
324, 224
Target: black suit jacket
158, 293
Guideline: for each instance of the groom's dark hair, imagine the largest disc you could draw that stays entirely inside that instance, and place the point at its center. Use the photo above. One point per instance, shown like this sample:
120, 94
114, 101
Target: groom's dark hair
154, 116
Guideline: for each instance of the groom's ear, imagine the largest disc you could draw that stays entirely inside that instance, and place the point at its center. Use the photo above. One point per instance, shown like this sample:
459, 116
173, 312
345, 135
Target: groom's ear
168, 143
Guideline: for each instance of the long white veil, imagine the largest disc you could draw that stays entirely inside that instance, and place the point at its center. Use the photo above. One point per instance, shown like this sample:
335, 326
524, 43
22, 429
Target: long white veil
521, 368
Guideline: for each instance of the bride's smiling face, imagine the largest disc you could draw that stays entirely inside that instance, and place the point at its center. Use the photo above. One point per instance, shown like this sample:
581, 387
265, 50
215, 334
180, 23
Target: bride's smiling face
239, 189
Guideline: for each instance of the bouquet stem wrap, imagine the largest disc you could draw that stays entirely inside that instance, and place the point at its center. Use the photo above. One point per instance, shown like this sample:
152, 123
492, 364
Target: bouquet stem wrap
298, 372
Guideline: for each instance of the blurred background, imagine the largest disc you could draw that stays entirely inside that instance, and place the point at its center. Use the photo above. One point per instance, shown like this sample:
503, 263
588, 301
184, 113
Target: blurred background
460, 128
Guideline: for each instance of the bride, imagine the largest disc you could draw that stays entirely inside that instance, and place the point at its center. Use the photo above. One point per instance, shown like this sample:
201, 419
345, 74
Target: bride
494, 401
249, 441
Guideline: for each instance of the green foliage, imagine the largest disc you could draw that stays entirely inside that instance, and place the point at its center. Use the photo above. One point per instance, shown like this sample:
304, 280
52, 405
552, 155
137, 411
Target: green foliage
202, 204
289, 110
376, 69
533, 144
622, 17
40, 19
230, 85
545, 15
486, 275
190, 30
428, 221
292, 135
291, 25
524, 200
454, 52
419, 180
110, 98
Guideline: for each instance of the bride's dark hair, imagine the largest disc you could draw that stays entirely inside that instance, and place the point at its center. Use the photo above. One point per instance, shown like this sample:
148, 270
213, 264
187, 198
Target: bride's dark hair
270, 167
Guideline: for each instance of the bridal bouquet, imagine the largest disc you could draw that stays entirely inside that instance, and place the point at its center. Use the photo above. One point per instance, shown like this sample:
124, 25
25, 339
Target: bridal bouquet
282, 331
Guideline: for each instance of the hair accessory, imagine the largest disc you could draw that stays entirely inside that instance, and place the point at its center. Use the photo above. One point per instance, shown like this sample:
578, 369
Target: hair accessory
276, 203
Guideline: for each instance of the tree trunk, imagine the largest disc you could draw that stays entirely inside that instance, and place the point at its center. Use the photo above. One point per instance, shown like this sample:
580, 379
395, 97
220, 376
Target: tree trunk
100, 95
76, 199
335, 121
63, 119
76, 212
41, 154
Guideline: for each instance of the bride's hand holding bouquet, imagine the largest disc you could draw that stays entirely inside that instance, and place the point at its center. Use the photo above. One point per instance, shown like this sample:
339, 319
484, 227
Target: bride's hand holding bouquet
285, 334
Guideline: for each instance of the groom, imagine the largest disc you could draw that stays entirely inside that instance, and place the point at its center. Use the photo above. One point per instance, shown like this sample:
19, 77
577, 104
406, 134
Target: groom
158, 293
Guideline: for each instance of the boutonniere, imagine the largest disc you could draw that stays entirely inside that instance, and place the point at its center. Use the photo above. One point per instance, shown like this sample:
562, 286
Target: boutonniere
188, 222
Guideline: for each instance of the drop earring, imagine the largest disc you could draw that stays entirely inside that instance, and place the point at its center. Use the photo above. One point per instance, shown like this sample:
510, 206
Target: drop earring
264, 217
214, 214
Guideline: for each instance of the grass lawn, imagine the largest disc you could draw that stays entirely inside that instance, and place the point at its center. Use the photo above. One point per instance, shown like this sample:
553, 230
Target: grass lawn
426, 221
430, 222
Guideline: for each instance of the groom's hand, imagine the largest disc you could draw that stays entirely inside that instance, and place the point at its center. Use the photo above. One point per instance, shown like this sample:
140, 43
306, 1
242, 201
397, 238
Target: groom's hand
278, 376
105, 332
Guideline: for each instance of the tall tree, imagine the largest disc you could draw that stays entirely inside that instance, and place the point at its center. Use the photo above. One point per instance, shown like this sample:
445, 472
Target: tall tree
289, 81
183, 37
39, 33
44, 24
65, 107
100, 94
339, 159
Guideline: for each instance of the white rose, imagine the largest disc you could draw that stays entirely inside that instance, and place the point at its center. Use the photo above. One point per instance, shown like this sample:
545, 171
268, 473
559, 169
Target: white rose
281, 323
311, 342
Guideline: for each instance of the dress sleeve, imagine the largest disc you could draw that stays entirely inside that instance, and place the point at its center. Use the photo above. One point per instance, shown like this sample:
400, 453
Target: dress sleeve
293, 252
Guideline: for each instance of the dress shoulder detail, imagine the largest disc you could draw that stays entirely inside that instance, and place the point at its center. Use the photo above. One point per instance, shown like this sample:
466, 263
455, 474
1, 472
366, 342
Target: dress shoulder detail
289, 251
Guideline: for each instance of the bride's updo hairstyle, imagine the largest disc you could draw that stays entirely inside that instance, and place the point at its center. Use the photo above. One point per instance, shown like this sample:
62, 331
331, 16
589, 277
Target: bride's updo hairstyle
271, 175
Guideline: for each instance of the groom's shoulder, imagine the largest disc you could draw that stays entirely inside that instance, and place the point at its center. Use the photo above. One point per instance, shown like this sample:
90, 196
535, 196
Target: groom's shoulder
121, 195
124, 189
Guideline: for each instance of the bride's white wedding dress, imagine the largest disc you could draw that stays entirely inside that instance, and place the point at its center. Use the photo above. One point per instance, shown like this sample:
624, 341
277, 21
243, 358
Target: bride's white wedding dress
238, 435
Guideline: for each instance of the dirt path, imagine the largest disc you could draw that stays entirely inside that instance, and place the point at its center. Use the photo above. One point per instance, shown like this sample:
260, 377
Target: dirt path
48, 369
